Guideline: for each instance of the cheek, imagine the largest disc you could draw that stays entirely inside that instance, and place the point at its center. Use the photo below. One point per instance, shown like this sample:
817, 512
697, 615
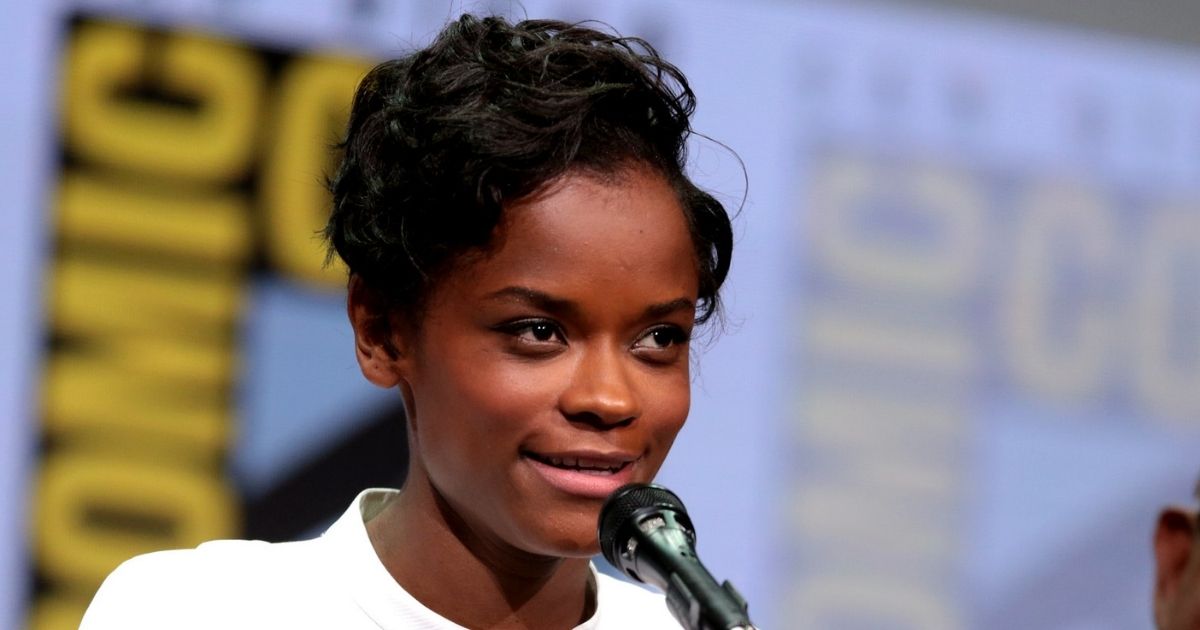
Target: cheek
667, 409
488, 396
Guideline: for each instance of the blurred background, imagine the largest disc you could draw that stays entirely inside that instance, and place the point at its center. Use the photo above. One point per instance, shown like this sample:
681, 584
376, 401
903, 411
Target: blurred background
961, 365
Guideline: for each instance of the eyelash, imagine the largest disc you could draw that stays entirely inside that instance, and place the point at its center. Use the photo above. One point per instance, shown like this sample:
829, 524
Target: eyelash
518, 328
676, 336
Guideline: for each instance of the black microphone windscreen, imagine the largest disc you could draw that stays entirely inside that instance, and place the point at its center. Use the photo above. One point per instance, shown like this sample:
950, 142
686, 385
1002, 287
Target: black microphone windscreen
623, 505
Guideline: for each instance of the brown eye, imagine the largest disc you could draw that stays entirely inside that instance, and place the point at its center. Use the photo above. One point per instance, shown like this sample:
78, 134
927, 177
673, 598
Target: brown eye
534, 331
662, 338
542, 331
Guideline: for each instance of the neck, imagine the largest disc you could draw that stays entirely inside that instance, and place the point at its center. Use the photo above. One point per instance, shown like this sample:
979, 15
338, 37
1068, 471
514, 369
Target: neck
469, 576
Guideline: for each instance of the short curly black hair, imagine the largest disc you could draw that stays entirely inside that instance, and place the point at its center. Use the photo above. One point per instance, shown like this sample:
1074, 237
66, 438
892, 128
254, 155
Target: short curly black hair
440, 140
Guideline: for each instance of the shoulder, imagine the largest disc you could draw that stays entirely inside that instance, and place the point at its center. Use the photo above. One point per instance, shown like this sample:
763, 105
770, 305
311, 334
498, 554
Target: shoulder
195, 587
630, 607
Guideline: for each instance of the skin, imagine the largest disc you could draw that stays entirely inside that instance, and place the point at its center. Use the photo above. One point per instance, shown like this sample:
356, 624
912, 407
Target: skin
1177, 571
568, 335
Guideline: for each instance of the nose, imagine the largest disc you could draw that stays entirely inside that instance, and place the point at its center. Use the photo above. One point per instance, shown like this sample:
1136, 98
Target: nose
601, 391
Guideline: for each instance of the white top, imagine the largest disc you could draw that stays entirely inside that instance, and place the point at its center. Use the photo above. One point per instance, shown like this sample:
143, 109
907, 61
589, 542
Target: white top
335, 581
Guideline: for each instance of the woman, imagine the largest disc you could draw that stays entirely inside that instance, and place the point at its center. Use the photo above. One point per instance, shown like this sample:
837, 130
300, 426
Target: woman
527, 262
1176, 594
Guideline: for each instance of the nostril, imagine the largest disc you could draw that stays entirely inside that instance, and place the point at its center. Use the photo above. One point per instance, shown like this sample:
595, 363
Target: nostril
600, 391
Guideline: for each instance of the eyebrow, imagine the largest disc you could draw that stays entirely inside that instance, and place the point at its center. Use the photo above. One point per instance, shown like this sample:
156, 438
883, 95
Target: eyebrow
655, 311
552, 304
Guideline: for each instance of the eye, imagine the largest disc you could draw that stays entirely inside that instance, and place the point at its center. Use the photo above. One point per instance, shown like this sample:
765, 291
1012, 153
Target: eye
538, 331
663, 338
534, 332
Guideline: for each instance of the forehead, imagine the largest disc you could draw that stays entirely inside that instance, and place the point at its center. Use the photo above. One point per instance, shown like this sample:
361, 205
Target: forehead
586, 232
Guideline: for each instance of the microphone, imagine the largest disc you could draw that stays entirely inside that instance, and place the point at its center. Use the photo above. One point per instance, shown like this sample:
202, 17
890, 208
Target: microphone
645, 533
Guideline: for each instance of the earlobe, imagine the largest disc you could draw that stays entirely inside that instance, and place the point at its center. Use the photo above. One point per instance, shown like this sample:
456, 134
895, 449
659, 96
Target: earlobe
1174, 538
379, 355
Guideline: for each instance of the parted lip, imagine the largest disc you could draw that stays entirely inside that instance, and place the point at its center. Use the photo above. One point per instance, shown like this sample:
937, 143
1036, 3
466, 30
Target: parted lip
590, 474
584, 459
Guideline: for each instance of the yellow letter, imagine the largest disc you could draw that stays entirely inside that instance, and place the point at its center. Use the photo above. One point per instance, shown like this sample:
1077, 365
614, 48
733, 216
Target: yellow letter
313, 104
211, 138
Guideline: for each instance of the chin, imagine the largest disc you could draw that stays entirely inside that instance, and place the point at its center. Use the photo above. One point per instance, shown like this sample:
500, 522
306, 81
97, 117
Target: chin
577, 539
578, 551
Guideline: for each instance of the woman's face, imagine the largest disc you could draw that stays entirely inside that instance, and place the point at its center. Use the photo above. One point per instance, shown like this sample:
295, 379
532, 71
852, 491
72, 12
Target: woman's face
553, 370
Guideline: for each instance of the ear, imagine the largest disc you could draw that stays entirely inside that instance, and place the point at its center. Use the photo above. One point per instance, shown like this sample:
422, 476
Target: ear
1174, 539
379, 348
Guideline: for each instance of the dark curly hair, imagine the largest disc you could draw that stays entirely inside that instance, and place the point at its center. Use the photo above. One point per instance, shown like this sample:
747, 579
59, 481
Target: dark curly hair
438, 141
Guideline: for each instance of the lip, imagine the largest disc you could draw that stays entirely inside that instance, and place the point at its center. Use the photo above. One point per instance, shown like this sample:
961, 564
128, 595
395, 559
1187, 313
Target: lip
583, 483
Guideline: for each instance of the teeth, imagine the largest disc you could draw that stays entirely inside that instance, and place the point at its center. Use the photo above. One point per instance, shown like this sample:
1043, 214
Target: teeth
584, 465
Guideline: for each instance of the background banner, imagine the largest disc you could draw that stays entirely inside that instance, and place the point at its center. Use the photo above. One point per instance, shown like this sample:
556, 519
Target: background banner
959, 370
